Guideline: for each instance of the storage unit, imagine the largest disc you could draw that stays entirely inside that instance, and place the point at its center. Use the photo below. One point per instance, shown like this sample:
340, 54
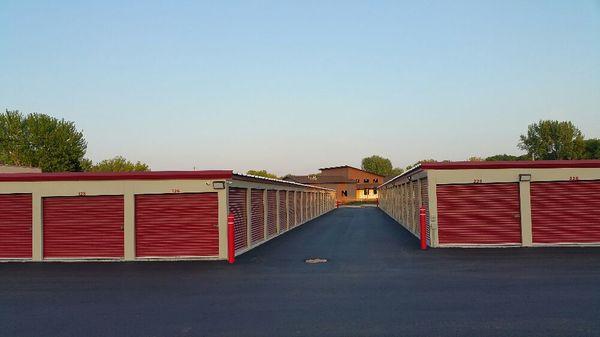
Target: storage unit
292, 208
520, 203
479, 214
143, 215
15, 226
298, 208
237, 206
177, 225
258, 216
83, 227
565, 212
283, 214
271, 213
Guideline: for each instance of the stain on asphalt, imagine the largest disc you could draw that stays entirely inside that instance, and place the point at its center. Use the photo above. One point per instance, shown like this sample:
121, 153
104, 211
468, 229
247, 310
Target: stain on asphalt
376, 282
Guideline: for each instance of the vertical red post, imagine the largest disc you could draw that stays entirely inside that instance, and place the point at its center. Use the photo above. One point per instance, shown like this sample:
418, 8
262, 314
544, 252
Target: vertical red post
423, 223
230, 239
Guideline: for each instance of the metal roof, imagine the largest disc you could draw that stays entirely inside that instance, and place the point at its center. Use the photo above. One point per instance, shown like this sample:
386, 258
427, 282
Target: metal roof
320, 179
83, 176
242, 176
461, 165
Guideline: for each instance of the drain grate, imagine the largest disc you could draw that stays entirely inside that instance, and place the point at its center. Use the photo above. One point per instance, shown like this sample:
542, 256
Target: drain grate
314, 260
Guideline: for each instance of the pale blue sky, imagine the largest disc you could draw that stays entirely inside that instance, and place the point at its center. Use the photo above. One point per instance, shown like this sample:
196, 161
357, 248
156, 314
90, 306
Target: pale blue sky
291, 86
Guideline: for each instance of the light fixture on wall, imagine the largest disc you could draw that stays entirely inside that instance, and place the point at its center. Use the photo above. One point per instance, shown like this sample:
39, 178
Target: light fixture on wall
524, 177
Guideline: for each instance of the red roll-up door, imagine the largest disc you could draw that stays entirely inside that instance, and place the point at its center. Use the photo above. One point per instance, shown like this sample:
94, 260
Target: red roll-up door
479, 214
311, 205
83, 227
237, 206
177, 225
304, 207
271, 213
425, 203
258, 216
282, 211
15, 226
292, 207
565, 212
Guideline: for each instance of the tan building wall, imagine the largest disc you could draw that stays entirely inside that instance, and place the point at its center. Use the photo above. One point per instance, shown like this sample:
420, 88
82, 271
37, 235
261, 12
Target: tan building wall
349, 192
354, 174
368, 194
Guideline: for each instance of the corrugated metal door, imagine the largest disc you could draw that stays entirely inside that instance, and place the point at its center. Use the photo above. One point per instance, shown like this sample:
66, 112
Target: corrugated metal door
83, 227
425, 203
271, 213
298, 209
305, 201
15, 226
282, 211
292, 208
177, 225
237, 206
315, 205
258, 216
479, 214
565, 212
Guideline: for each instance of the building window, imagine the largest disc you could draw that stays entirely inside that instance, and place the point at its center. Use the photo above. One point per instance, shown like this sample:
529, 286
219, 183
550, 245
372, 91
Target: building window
358, 180
345, 193
375, 191
366, 180
376, 180
366, 191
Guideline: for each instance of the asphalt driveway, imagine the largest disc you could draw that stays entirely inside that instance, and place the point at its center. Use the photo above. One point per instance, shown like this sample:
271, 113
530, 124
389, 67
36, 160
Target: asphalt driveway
376, 283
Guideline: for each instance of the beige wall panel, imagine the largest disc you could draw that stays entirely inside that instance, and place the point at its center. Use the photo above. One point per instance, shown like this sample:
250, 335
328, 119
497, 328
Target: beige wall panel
512, 175
525, 205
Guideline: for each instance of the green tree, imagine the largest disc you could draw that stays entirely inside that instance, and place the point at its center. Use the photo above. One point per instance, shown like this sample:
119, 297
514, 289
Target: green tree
592, 148
378, 165
475, 158
419, 162
118, 164
506, 157
39, 140
552, 140
396, 171
262, 173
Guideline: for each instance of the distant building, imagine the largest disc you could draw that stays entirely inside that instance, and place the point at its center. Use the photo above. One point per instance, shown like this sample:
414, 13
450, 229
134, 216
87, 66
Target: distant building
18, 169
350, 183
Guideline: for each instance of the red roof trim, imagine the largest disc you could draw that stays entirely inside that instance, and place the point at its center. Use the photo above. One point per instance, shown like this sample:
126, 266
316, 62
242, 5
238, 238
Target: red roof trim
83, 176
511, 164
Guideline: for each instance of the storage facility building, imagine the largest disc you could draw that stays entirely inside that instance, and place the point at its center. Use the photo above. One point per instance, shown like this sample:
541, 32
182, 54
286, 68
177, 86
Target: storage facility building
149, 215
517, 203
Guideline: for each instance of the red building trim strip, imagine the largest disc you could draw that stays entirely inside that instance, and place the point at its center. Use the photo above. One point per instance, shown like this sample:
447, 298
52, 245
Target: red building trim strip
83, 176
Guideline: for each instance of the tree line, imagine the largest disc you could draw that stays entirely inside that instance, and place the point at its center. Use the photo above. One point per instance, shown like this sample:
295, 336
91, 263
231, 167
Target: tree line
54, 145
544, 140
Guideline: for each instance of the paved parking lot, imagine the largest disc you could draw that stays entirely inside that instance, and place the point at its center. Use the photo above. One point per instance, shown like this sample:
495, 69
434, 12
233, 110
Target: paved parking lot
376, 283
